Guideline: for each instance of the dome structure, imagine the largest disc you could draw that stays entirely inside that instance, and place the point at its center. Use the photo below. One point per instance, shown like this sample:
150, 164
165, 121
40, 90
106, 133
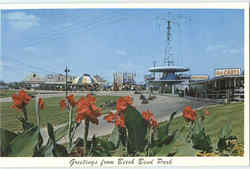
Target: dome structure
85, 79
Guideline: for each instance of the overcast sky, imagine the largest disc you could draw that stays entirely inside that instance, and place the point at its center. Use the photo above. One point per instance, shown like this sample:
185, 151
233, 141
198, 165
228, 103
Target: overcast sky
103, 41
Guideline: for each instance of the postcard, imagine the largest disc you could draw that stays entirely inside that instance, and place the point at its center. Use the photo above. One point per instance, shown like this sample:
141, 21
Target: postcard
124, 85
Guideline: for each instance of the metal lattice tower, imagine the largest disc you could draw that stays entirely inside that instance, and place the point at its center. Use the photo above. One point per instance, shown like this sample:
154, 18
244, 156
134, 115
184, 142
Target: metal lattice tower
168, 54
166, 25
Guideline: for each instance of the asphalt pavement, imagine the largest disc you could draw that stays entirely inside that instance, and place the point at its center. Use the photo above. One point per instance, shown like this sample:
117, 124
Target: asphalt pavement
162, 107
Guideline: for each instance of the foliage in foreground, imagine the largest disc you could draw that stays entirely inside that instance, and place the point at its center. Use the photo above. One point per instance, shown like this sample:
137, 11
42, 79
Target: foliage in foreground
134, 133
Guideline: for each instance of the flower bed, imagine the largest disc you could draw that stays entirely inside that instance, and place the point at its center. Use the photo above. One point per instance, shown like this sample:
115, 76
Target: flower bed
135, 133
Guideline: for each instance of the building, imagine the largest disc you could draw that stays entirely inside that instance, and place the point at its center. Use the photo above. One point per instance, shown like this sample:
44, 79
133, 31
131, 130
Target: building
169, 78
228, 83
124, 80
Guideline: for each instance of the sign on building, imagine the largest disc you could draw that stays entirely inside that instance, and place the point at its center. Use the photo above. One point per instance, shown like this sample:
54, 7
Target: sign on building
199, 77
227, 72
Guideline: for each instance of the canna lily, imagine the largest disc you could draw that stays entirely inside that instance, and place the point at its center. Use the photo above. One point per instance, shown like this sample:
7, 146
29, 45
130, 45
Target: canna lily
116, 118
189, 114
110, 117
71, 100
120, 121
207, 112
41, 103
91, 99
149, 117
20, 100
154, 123
123, 102
86, 109
63, 104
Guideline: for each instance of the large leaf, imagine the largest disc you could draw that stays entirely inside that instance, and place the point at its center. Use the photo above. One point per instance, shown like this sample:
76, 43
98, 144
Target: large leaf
137, 130
170, 121
163, 133
52, 149
5, 138
115, 137
23, 145
182, 147
225, 134
26, 125
60, 132
100, 147
226, 131
201, 141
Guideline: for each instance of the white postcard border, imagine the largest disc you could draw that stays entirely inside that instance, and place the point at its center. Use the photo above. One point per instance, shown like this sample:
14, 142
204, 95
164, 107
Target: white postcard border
169, 161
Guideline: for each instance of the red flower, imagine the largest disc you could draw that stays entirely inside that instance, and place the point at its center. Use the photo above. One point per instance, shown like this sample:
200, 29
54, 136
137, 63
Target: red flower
123, 102
154, 123
189, 113
207, 112
110, 117
71, 100
63, 104
91, 99
20, 99
86, 109
149, 117
120, 121
41, 103
115, 118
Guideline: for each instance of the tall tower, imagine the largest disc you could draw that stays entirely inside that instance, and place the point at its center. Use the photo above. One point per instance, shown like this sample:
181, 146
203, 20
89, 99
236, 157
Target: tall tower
168, 49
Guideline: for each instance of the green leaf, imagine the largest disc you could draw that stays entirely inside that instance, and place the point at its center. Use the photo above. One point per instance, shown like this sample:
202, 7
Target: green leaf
52, 149
115, 137
171, 148
200, 140
26, 125
5, 138
101, 147
23, 145
137, 130
226, 131
60, 132
181, 147
51, 133
60, 151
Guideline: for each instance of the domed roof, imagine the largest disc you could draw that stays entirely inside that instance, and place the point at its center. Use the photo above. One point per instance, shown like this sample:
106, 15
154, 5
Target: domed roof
84, 79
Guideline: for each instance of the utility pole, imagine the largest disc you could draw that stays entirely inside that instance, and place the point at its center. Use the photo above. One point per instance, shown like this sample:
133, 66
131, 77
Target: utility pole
66, 83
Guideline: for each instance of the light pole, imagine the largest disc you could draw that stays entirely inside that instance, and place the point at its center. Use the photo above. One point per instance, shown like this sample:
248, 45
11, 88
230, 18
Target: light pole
66, 83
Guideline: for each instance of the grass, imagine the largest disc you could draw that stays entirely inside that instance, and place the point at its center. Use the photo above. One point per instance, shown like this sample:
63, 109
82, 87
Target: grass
7, 93
51, 113
219, 115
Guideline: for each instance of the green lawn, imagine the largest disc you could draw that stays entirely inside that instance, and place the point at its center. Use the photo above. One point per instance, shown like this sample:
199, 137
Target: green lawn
51, 113
219, 115
8, 93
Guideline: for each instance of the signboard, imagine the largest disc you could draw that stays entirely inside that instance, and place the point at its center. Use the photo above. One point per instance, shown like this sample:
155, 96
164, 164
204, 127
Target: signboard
199, 77
227, 72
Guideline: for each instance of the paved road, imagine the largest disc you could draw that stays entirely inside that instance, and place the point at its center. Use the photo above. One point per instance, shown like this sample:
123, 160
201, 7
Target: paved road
162, 107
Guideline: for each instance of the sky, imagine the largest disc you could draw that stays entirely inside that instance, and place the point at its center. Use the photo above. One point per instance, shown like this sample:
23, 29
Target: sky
103, 41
